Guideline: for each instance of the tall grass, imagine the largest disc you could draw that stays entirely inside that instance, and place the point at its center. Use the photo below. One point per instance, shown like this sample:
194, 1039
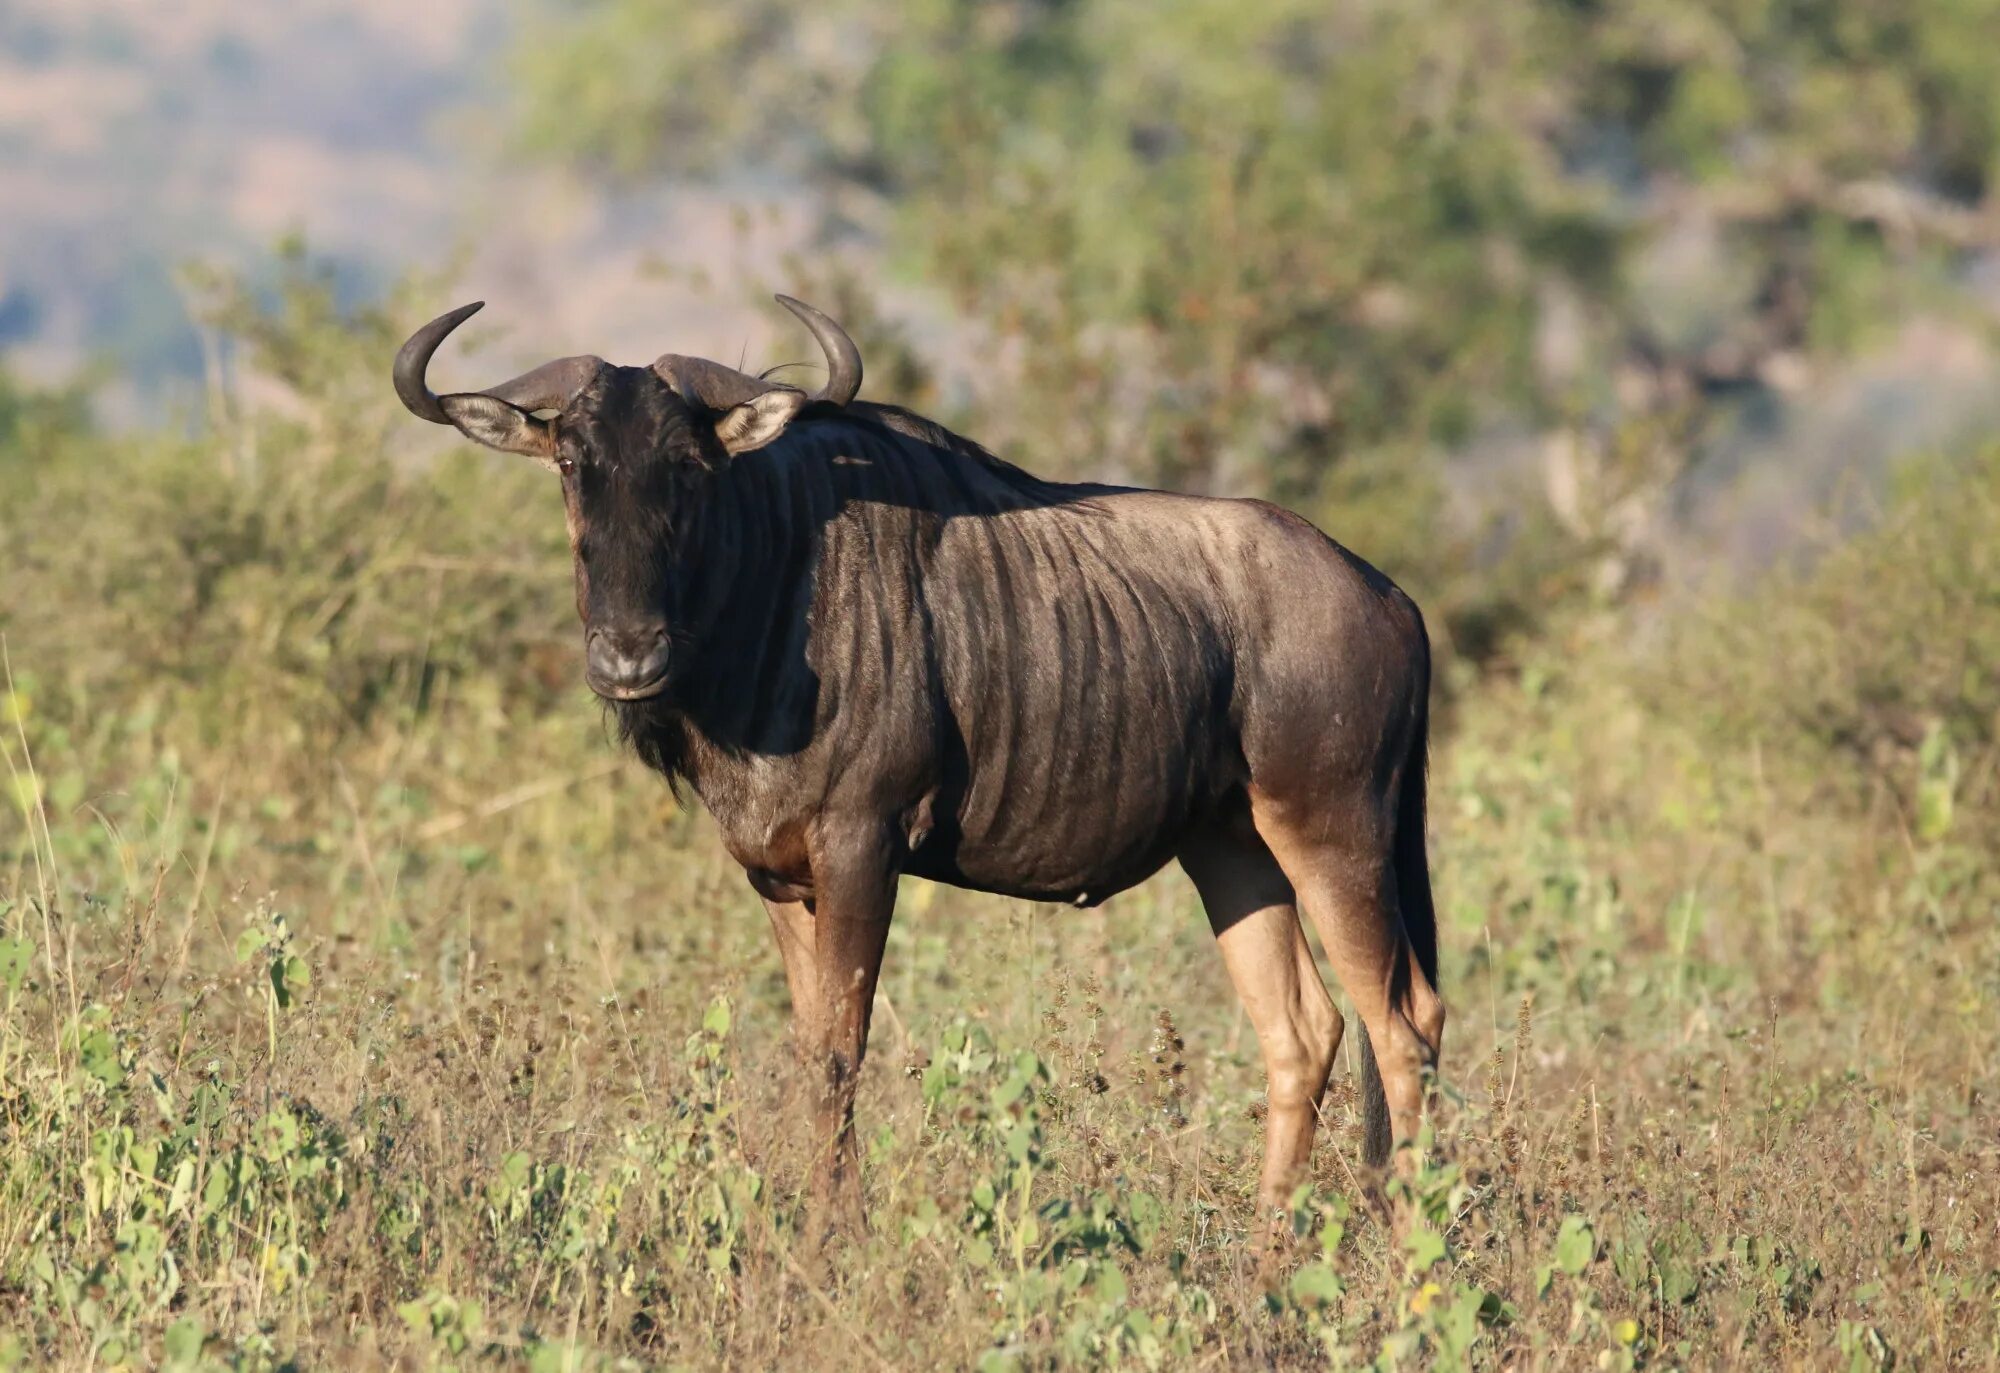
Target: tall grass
360, 1005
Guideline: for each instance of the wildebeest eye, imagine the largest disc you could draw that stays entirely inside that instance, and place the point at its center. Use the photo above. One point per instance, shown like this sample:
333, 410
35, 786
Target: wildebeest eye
565, 465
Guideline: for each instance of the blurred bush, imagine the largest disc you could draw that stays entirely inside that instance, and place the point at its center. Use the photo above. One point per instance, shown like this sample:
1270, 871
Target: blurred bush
288, 573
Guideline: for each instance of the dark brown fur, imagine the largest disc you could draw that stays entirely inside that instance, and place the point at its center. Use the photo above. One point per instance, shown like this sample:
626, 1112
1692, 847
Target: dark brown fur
1008, 684
888, 652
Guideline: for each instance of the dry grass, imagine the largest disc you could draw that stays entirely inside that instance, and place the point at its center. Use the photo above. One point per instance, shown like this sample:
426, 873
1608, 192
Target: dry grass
358, 1009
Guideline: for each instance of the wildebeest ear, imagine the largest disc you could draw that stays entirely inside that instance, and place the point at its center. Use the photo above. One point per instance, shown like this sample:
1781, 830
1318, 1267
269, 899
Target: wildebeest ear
758, 420
495, 423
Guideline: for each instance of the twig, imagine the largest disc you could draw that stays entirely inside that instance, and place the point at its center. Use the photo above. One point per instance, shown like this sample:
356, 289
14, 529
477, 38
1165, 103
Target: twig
902, 1031
194, 897
439, 825
361, 845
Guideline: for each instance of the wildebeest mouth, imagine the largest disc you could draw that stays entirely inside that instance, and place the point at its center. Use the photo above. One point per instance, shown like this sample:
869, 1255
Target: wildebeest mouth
639, 691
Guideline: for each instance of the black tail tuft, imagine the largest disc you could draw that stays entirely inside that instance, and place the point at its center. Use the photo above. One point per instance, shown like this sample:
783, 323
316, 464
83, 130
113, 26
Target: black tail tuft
1413, 895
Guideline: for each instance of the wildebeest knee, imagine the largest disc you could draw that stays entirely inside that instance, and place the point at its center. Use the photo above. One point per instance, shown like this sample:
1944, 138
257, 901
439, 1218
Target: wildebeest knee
1294, 1080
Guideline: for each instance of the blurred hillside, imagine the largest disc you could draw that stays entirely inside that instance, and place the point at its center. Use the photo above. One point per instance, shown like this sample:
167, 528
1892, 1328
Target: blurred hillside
138, 136
134, 136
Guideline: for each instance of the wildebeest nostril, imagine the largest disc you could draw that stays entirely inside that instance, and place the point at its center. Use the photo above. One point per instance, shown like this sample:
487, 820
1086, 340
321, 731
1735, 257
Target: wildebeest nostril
627, 662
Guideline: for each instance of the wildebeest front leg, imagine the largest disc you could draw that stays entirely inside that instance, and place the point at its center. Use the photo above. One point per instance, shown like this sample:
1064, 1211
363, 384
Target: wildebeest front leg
792, 924
854, 882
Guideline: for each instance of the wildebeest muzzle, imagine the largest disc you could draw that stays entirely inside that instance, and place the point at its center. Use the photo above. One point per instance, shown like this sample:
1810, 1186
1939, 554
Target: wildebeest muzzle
627, 662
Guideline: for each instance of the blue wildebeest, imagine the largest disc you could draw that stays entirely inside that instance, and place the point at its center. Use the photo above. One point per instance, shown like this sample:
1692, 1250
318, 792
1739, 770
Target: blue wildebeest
873, 648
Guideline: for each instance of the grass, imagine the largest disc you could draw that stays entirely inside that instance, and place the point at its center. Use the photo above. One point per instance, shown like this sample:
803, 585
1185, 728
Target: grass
361, 1006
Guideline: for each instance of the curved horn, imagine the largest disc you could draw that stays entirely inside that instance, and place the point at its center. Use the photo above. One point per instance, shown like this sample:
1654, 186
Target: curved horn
720, 387
843, 359
413, 359
548, 387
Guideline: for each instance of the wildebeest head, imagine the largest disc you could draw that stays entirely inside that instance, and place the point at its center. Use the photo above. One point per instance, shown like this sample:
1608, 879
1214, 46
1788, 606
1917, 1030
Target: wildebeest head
632, 445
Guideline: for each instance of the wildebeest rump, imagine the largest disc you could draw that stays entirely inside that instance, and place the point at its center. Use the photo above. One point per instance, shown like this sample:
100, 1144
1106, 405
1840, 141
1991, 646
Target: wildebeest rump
872, 648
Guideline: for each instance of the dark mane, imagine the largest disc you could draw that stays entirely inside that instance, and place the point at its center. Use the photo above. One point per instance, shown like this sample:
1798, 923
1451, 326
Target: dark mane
761, 521
895, 419
657, 737
904, 421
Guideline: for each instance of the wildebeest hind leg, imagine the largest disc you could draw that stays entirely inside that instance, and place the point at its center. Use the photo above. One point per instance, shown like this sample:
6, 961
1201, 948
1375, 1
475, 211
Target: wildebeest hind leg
1249, 905
1346, 886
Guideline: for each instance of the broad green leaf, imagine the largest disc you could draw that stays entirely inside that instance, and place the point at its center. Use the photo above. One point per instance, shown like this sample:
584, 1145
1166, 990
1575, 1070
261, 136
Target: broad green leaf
1317, 1284
716, 1020
98, 1052
1009, 1092
288, 978
1576, 1245
1426, 1247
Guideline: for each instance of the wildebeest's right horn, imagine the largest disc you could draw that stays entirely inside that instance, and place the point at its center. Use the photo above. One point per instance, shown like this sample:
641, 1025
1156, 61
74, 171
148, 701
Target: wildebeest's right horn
843, 359
414, 359
548, 387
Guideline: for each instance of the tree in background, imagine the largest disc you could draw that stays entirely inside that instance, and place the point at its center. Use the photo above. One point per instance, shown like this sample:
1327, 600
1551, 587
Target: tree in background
1315, 251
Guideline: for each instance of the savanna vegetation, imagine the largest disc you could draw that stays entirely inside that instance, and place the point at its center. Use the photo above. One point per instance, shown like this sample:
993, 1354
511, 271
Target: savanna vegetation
359, 1004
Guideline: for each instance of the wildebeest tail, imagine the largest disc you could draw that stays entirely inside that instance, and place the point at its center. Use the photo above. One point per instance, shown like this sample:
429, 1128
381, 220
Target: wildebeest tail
1413, 895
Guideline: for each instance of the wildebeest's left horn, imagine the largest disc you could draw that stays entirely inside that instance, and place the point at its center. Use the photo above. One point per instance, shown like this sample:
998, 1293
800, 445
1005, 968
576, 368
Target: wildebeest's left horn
843, 359
720, 387
710, 383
